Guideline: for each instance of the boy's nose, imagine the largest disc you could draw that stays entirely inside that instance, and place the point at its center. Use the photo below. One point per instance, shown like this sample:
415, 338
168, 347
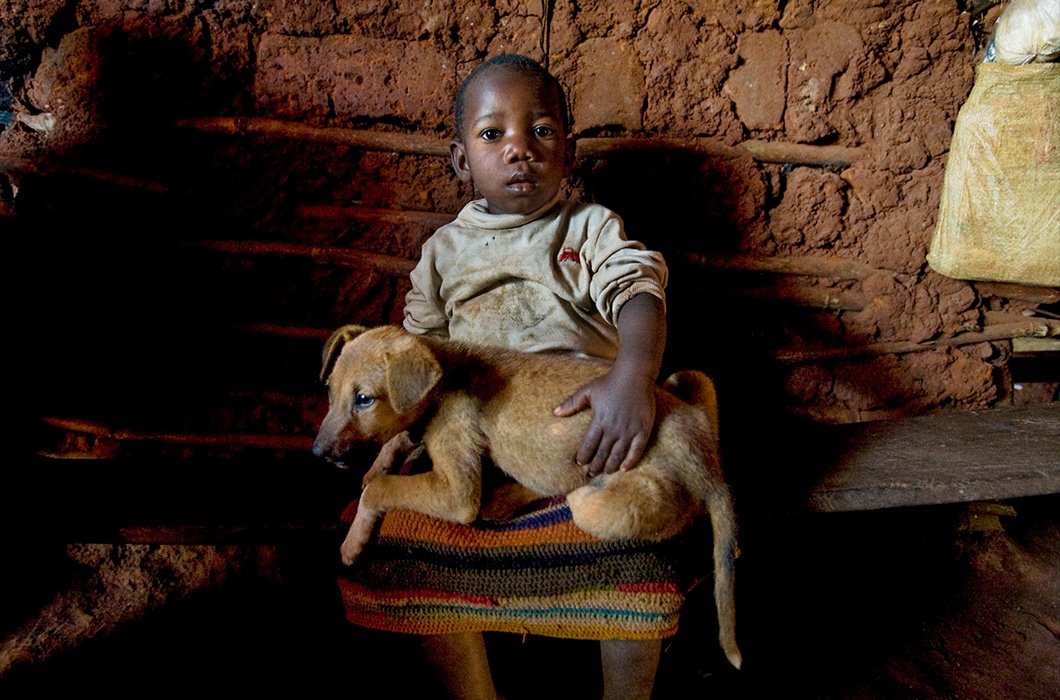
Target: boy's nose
519, 148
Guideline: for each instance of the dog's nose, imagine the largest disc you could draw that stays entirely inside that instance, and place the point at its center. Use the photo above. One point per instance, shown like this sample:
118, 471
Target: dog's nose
318, 448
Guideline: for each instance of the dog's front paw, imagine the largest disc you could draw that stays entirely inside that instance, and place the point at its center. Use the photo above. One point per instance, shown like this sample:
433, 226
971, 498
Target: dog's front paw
350, 553
359, 534
350, 550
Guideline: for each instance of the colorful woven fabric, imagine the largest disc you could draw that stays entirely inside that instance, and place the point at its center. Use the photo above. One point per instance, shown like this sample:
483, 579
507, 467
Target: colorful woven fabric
534, 574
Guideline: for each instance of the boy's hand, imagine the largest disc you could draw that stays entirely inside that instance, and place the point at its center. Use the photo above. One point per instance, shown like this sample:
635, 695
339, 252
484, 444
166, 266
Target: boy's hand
623, 400
623, 418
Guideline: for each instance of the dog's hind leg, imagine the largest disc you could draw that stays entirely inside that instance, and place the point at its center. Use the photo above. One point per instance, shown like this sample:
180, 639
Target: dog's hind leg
696, 388
637, 504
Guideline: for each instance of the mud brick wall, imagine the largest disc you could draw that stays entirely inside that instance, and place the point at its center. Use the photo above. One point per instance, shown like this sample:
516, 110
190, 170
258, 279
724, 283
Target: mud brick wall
112, 193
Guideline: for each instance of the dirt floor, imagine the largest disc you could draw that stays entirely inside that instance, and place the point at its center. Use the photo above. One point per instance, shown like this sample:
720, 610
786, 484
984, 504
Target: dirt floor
920, 603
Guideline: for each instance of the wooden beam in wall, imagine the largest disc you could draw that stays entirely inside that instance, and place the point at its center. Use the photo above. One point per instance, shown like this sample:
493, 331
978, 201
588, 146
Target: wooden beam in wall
782, 292
430, 219
9, 165
393, 142
323, 255
807, 266
106, 439
1021, 292
587, 147
1032, 328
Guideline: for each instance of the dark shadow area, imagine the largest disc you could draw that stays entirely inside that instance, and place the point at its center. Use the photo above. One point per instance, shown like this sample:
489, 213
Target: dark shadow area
825, 603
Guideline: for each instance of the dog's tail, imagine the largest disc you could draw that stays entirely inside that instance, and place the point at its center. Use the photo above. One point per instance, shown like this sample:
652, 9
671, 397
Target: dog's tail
696, 388
723, 523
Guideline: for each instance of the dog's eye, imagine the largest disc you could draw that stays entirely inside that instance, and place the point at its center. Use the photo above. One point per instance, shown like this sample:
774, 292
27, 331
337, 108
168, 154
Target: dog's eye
363, 400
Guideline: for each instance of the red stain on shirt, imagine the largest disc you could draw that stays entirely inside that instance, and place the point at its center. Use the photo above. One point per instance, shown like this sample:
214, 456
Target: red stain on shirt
569, 254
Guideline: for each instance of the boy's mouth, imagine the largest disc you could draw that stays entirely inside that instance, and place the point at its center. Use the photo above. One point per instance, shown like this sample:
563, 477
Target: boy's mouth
522, 182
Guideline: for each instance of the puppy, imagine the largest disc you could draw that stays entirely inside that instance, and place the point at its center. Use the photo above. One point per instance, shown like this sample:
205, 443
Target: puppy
469, 401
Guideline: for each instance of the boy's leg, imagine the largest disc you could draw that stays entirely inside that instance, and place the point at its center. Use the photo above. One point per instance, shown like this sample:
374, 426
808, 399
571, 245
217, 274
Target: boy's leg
459, 662
629, 667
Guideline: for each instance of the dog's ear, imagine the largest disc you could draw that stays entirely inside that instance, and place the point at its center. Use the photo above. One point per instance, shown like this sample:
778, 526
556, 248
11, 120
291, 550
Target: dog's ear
411, 372
333, 347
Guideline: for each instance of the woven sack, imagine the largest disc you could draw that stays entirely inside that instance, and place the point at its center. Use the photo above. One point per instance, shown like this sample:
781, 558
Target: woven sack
999, 214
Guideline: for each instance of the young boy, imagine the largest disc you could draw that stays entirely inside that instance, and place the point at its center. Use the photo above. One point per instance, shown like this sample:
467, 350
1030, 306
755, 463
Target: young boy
523, 268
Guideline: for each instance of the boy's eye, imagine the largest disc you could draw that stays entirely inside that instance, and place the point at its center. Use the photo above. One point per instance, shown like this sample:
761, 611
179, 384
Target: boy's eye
490, 134
544, 131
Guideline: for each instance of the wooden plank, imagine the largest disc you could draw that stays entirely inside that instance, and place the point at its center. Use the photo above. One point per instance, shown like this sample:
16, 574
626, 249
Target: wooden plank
586, 147
943, 458
950, 457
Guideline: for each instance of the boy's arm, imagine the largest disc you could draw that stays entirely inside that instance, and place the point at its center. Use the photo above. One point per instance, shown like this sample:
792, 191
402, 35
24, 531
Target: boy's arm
424, 309
623, 400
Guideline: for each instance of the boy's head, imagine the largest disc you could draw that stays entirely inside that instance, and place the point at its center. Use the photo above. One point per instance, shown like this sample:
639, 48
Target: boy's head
512, 134
514, 61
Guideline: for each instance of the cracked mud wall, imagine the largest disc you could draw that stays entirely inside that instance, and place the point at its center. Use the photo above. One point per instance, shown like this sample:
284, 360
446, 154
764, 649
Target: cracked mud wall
884, 78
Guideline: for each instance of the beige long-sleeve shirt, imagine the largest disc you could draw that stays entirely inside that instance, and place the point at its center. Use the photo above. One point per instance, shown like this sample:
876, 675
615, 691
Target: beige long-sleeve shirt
551, 280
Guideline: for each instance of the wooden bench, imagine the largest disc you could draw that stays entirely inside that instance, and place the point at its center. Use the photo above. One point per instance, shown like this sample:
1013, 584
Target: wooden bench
947, 457
951, 457
941, 458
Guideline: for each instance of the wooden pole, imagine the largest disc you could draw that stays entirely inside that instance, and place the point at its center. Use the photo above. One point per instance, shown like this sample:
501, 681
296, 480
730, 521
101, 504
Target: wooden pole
324, 255
21, 165
808, 266
401, 267
837, 415
408, 144
1021, 292
588, 147
293, 443
604, 147
320, 334
430, 219
802, 153
833, 268
1038, 328
801, 296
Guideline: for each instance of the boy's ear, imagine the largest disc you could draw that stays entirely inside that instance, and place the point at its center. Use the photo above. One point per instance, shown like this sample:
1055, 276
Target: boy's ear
568, 156
459, 160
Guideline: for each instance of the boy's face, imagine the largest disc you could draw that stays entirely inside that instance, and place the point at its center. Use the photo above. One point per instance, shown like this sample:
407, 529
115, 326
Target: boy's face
513, 147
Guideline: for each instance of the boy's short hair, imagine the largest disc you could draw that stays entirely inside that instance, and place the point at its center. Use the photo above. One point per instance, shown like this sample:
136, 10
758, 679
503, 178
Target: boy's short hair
516, 62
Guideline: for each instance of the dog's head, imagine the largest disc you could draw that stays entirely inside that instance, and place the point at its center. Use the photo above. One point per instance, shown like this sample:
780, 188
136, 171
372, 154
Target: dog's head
379, 384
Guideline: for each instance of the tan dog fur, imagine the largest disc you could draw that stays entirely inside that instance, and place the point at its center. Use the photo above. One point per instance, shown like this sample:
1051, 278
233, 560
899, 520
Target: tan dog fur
472, 401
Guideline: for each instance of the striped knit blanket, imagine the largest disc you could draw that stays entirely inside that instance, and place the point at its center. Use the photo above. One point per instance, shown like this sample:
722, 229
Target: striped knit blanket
534, 574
